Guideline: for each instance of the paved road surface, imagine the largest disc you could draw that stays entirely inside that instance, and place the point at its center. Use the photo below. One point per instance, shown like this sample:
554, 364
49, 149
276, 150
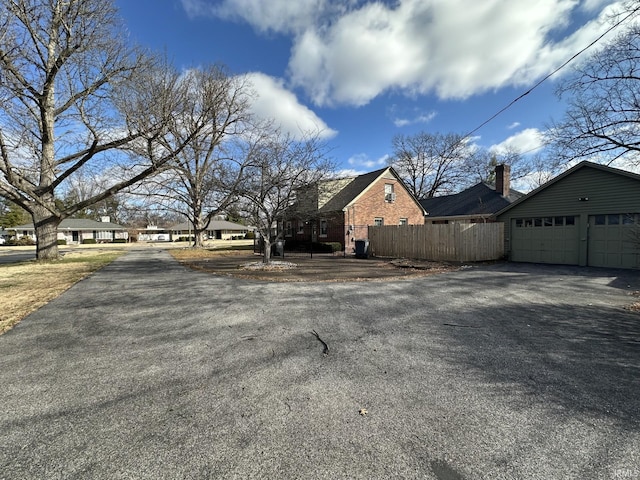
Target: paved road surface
149, 370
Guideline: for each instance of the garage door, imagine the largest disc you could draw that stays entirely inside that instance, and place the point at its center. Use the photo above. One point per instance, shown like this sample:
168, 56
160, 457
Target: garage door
545, 240
614, 240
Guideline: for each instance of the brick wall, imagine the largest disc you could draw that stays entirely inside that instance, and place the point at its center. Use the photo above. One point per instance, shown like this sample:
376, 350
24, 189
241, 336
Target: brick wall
371, 205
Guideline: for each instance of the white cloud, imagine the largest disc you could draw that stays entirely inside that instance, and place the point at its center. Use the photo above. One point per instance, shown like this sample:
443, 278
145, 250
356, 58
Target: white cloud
513, 125
525, 141
419, 118
275, 102
275, 15
351, 51
361, 161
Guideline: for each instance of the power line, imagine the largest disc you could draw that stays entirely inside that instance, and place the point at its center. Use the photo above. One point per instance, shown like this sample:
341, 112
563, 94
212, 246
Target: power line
540, 82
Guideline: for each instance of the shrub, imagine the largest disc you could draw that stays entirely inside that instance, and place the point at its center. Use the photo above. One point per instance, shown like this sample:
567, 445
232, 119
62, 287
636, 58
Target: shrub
249, 236
182, 239
119, 240
24, 241
89, 241
62, 241
20, 242
333, 246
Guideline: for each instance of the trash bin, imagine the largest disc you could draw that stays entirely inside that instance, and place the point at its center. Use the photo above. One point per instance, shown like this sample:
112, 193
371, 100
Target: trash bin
362, 248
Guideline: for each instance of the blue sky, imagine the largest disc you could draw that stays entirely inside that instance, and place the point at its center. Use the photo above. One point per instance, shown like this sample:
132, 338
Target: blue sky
364, 71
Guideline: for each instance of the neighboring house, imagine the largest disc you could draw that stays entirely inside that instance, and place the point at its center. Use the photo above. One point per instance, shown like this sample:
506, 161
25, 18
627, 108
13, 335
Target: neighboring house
476, 204
341, 210
217, 229
153, 233
588, 215
76, 230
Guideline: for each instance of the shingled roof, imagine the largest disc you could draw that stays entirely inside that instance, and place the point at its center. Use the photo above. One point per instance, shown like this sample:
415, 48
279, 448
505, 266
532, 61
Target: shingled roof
354, 188
481, 199
77, 224
213, 225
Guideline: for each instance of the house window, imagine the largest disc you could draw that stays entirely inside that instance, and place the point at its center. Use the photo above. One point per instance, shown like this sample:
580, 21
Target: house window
300, 227
403, 221
378, 222
288, 229
389, 195
323, 228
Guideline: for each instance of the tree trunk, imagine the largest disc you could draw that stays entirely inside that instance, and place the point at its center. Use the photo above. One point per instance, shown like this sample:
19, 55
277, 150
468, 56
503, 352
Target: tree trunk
198, 233
266, 258
46, 227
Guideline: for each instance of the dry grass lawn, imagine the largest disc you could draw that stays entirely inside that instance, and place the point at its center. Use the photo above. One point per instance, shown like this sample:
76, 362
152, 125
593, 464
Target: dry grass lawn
183, 254
27, 286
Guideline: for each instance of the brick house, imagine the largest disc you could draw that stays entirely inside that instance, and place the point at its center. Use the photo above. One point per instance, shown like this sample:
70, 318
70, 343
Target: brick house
341, 210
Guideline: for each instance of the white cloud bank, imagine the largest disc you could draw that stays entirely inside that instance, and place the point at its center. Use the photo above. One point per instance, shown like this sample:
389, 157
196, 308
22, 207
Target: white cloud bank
274, 102
526, 141
350, 51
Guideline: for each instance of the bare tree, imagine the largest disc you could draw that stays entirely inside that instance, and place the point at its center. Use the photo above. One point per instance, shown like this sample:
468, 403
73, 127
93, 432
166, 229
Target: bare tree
202, 179
279, 167
75, 97
528, 169
430, 163
602, 120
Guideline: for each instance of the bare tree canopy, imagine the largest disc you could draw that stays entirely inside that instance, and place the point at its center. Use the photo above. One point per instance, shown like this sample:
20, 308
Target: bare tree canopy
202, 179
602, 121
278, 168
75, 97
430, 163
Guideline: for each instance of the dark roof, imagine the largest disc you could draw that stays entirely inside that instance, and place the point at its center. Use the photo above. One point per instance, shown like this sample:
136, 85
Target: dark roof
77, 224
477, 200
354, 188
583, 164
213, 225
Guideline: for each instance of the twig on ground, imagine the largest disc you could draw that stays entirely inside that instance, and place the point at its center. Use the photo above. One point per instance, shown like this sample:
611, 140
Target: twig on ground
461, 326
325, 352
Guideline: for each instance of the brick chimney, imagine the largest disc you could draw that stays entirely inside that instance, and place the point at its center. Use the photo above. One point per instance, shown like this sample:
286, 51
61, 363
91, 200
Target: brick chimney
503, 180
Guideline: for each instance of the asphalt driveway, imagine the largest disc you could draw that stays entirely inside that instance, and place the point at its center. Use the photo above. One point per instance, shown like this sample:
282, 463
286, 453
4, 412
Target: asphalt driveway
151, 370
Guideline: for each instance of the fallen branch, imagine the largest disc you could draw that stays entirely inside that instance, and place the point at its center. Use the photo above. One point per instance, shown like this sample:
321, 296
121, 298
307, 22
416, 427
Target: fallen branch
325, 352
461, 326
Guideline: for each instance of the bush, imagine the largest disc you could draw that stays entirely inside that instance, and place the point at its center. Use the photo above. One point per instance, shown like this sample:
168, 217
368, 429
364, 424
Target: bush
119, 240
333, 246
89, 241
20, 242
62, 241
183, 239
249, 236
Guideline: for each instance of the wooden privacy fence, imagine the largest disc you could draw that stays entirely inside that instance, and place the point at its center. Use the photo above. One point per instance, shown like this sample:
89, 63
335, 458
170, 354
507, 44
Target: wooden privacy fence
454, 242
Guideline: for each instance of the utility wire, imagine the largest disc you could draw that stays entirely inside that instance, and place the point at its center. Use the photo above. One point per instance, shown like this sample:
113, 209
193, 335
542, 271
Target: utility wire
540, 82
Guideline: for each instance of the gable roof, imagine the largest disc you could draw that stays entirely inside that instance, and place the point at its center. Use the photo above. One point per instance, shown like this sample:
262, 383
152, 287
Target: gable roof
480, 199
566, 173
357, 187
77, 224
213, 225
354, 188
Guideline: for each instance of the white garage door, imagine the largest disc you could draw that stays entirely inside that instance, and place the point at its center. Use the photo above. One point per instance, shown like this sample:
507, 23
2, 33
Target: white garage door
614, 240
545, 240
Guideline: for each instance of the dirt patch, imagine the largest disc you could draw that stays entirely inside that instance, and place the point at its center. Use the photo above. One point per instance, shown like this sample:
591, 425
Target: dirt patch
319, 268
